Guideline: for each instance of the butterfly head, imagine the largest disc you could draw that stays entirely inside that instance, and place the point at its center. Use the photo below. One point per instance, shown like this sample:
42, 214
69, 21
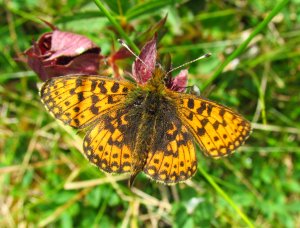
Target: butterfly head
151, 75
158, 78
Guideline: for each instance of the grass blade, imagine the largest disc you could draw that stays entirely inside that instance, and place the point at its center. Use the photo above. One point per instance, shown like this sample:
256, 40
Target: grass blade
147, 8
225, 196
116, 25
244, 45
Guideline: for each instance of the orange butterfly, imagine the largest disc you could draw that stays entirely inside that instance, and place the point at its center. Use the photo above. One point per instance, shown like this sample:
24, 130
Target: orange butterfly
149, 126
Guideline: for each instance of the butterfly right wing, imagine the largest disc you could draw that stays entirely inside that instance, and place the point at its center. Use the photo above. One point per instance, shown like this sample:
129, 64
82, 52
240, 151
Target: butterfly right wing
217, 129
172, 158
79, 100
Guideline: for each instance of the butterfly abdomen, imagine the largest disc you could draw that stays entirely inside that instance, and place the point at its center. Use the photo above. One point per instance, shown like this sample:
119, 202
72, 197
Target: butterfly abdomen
142, 113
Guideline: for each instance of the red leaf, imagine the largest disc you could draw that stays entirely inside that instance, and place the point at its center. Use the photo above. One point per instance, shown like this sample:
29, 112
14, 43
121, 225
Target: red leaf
69, 44
179, 83
86, 64
60, 53
142, 71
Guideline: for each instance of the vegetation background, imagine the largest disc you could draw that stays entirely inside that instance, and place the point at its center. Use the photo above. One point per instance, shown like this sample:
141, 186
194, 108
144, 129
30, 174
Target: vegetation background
45, 180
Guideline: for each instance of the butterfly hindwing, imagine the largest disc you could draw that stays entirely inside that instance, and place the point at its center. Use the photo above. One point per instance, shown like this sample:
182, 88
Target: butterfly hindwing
104, 144
217, 129
79, 100
174, 159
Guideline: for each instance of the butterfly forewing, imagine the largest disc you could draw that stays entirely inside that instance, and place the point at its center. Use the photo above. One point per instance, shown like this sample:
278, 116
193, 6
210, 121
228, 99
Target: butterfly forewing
79, 100
217, 129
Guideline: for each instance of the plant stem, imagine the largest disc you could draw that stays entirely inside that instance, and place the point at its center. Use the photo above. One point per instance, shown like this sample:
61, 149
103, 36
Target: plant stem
225, 196
116, 25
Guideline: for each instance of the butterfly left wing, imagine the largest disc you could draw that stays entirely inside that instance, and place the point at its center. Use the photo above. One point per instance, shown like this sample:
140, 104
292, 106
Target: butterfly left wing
104, 144
172, 156
217, 129
79, 100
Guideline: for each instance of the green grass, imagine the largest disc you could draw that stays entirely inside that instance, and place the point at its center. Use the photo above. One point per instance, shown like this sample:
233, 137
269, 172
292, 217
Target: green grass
46, 181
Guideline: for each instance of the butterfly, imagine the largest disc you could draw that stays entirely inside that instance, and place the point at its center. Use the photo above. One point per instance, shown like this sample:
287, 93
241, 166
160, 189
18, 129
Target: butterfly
149, 125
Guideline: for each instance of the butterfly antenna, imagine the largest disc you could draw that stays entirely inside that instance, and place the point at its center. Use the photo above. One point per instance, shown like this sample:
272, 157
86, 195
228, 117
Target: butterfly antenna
128, 49
201, 57
135, 55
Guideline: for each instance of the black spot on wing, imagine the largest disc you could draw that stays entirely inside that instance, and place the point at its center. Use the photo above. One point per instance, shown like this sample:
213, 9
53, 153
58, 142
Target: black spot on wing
202, 108
115, 87
191, 103
102, 87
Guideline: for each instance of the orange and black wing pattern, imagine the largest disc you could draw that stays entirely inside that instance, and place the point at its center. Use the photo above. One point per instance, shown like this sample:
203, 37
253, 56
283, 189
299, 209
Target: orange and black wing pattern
104, 144
217, 129
79, 100
172, 157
